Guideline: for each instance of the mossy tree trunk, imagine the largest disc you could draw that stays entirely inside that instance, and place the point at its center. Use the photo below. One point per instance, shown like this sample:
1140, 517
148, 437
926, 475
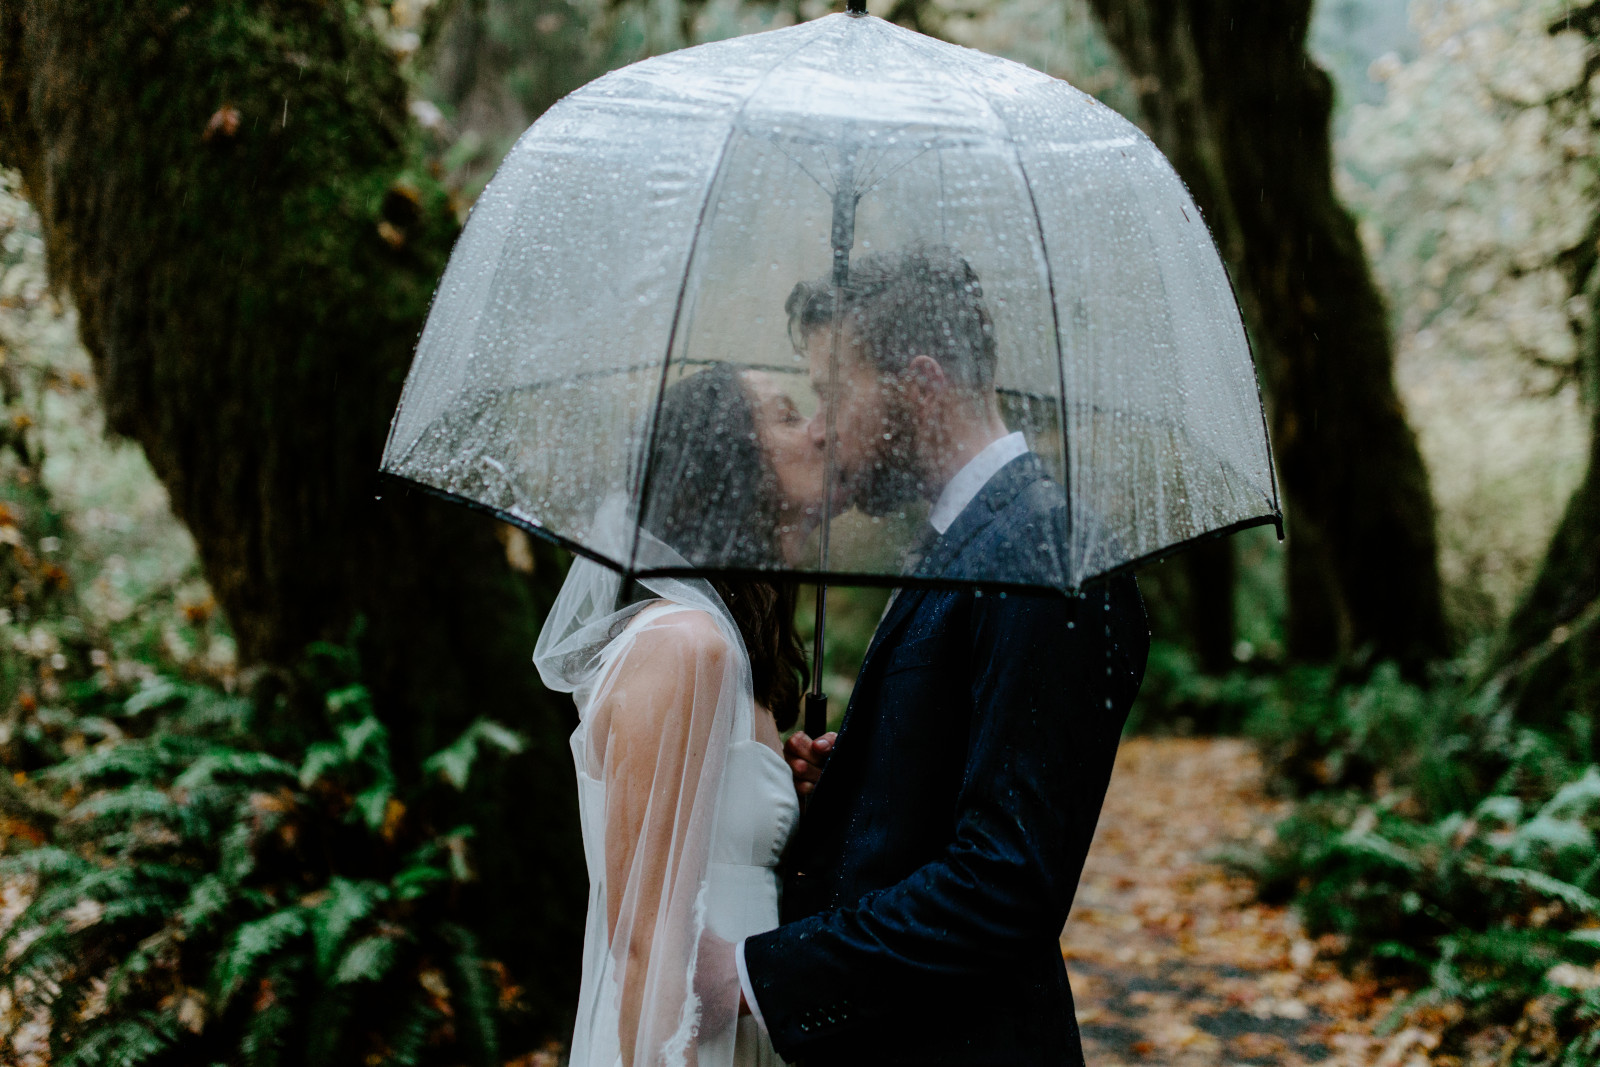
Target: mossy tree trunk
1231, 96
229, 194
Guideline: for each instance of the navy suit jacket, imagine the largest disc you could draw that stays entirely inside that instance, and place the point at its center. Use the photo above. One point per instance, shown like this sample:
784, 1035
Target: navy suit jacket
928, 882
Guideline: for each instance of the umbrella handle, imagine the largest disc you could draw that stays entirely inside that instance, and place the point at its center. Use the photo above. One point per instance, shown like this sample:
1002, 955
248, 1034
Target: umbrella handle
816, 714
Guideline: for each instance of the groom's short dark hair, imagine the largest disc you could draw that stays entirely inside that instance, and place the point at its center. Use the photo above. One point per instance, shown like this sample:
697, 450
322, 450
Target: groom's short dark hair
924, 300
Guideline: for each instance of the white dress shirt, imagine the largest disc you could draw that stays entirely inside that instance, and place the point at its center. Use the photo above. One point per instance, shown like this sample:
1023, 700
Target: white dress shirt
957, 494
971, 479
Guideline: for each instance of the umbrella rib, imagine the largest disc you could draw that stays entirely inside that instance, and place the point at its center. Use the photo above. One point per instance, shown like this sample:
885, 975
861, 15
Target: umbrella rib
1249, 346
891, 173
1055, 313
805, 169
647, 467
1272, 501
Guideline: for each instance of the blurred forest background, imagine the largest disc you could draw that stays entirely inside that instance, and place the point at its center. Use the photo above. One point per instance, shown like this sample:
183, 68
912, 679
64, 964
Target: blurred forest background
281, 785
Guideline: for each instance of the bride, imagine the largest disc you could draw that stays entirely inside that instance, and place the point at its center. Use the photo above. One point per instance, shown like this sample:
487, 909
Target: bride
682, 688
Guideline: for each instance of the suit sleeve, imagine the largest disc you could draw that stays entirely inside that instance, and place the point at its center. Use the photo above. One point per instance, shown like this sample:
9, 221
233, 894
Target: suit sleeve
1036, 769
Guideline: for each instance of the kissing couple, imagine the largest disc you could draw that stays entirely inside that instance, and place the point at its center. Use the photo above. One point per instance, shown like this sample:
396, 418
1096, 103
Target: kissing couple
912, 913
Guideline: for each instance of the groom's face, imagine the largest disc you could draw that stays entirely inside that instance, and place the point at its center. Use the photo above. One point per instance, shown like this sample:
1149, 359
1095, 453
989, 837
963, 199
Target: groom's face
874, 432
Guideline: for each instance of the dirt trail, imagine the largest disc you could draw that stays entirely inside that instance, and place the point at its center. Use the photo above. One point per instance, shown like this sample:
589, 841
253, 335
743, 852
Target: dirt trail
1171, 960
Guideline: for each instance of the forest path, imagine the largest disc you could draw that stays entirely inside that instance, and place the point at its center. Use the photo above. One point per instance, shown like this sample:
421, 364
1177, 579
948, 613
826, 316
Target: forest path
1172, 961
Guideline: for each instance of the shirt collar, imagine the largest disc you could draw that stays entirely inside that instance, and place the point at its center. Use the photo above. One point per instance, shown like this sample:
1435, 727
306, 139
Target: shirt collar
969, 480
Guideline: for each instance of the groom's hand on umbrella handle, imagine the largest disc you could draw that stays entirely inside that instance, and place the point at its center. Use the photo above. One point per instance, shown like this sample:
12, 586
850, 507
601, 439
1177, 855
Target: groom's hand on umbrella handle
807, 758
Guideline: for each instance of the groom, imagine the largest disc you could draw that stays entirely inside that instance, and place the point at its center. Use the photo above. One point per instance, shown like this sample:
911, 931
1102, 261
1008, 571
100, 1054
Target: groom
928, 882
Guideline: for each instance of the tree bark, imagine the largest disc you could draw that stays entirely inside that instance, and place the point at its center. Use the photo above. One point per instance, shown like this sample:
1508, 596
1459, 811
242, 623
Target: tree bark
229, 194
1231, 96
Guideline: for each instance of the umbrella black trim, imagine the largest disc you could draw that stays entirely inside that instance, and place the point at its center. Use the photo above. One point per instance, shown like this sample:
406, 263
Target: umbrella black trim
881, 581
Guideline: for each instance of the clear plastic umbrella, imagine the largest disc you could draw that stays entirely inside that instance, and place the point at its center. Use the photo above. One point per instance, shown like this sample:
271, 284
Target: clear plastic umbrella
715, 210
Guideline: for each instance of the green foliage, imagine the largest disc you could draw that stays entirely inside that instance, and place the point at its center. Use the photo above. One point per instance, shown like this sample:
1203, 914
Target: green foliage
1445, 844
205, 901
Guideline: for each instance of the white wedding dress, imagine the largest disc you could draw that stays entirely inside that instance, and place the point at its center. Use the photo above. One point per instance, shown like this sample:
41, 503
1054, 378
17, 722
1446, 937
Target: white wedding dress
685, 814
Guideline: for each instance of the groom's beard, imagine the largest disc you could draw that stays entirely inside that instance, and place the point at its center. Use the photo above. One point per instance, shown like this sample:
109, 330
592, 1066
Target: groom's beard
890, 479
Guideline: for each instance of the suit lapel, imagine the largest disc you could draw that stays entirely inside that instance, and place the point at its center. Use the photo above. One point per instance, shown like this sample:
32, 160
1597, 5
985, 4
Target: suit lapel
905, 602
942, 557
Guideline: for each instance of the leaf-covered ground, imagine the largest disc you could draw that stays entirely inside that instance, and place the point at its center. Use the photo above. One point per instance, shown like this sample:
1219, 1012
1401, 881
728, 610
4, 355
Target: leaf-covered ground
1172, 960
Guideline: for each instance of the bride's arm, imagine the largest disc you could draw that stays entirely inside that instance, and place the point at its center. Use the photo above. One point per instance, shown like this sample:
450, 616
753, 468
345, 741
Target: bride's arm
661, 769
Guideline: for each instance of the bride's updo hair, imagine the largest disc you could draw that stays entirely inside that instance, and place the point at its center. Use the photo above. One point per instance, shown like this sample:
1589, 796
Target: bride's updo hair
711, 495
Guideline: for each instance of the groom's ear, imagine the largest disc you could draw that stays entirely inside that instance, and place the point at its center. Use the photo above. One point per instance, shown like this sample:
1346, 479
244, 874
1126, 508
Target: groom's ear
926, 373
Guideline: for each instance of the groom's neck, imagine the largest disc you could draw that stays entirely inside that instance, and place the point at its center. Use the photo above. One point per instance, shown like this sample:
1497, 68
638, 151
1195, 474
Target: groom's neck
966, 432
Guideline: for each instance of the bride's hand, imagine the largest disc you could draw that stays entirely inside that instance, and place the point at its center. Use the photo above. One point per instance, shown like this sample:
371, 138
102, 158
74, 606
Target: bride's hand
716, 984
807, 758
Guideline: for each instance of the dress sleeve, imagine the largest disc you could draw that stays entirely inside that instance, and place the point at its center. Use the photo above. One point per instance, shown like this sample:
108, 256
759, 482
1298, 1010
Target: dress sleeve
666, 715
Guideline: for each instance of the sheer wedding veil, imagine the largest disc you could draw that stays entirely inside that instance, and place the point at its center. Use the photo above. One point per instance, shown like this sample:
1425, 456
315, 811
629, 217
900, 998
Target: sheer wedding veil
662, 685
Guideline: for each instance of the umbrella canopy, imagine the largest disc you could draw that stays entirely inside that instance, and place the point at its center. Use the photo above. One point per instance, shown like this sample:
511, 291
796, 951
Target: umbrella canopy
687, 213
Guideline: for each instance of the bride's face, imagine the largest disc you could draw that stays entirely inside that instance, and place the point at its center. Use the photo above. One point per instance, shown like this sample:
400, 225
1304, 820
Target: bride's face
794, 457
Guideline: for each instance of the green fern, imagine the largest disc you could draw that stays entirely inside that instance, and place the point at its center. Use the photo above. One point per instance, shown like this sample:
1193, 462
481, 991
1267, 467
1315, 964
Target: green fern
125, 1042
251, 943
208, 899
454, 763
291, 881
367, 960
348, 902
225, 762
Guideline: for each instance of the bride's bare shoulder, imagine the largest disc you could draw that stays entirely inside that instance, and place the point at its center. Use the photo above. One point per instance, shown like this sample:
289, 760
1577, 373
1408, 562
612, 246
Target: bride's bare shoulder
672, 665
679, 633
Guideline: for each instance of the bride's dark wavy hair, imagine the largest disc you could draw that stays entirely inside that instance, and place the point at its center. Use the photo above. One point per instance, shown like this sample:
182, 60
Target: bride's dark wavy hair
713, 497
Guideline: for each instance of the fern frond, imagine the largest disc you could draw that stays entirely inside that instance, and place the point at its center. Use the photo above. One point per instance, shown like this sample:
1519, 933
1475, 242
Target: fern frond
417, 881
129, 802
321, 758
372, 803
454, 763
366, 961
367, 737
124, 1042
475, 1000
236, 855
46, 862
208, 898
234, 764
151, 759
351, 696
251, 943
1369, 845
1577, 798
1539, 882
137, 906
153, 694
347, 903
